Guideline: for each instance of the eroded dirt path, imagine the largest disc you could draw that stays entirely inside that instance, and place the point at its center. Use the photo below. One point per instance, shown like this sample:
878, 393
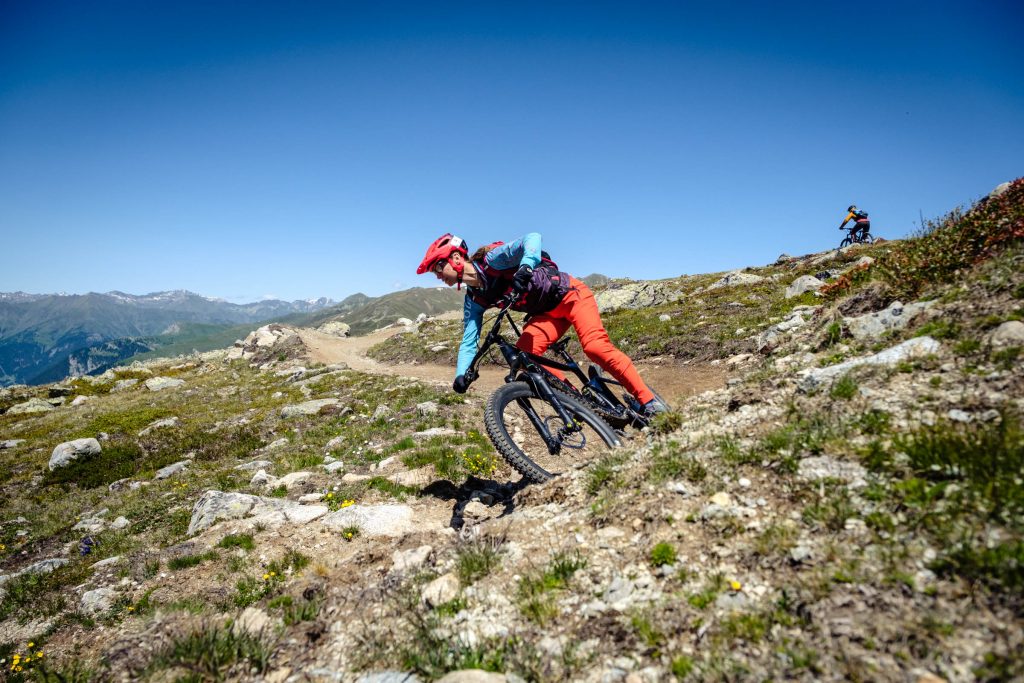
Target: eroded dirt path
674, 381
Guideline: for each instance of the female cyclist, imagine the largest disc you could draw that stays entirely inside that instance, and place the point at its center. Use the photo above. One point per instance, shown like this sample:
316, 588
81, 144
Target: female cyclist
553, 300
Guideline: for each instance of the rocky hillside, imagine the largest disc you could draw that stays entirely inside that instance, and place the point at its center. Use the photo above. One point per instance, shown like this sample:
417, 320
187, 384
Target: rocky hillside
847, 505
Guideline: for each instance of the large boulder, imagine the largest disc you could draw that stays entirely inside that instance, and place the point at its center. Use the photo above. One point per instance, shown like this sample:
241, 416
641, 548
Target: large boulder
69, 451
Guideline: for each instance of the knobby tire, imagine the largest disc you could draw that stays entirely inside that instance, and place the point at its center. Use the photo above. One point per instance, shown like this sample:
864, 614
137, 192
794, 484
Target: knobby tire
519, 443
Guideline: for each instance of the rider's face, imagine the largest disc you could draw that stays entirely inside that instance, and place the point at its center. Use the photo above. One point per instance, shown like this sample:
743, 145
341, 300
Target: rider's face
444, 271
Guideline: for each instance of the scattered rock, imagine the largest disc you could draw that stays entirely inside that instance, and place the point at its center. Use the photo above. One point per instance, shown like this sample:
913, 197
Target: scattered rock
161, 383
1010, 333
160, 424
802, 285
11, 443
336, 328
97, 601
443, 589
171, 470
895, 317
309, 407
387, 519
123, 385
736, 277
826, 467
404, 560
427, 408
33, 405
69, 451
633, 295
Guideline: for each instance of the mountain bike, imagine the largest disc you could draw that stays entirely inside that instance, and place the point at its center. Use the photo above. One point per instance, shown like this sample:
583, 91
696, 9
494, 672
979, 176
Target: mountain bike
540, 426
855, 236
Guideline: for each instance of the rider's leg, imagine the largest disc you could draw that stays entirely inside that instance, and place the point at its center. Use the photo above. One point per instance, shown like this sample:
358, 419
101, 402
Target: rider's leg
541, 332
581, 311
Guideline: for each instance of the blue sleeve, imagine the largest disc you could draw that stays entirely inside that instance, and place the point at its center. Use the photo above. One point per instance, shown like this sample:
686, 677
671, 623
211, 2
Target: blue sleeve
526, 250
472, 317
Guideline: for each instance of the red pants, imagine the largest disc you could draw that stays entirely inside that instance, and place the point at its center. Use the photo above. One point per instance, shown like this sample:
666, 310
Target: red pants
579, 309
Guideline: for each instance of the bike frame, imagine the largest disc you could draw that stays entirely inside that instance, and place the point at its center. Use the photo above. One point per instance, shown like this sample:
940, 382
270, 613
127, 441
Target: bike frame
534, 367
525, 366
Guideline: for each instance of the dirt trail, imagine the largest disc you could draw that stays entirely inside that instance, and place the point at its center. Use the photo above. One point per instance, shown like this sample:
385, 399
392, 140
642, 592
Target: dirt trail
672, 380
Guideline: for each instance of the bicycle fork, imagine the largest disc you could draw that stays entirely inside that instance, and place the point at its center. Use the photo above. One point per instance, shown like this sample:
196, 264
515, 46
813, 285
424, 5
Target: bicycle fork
553, 442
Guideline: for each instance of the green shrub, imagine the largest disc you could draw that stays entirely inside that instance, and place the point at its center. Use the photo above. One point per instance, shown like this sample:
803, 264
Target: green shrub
954, 243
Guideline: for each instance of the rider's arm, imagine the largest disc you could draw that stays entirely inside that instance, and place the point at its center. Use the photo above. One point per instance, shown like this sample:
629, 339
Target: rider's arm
525, 250
472, 317
846, 220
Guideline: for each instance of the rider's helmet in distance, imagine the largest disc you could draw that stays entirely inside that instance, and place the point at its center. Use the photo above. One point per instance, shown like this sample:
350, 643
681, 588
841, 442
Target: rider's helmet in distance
852, 208
442, 248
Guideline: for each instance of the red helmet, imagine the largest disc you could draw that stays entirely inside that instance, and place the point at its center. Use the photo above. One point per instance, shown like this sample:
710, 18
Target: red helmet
442, 248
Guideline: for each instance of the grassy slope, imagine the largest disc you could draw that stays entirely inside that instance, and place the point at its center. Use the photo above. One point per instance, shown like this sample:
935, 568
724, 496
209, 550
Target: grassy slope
919, 570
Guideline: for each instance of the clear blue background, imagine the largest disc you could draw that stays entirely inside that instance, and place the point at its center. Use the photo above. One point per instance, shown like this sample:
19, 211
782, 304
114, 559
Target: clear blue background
296, 150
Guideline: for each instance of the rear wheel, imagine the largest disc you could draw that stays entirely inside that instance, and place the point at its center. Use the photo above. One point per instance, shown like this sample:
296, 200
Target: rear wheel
522, 446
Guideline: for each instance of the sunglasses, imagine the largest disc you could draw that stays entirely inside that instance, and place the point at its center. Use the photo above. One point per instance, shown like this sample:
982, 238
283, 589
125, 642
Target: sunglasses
439, 266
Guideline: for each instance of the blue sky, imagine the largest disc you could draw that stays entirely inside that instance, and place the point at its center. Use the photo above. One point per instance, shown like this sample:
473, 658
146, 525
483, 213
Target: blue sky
296, 150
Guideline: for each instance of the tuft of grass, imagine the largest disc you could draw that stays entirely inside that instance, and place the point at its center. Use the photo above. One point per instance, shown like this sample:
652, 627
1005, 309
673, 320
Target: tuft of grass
989, 458
844, 388
477, 557
186, 561
244, 541
669, 461
663, 554
213, 652
534, 601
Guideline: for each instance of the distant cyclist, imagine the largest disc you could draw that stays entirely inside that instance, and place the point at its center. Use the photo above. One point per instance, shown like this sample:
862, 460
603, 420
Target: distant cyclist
861, 223
553, 299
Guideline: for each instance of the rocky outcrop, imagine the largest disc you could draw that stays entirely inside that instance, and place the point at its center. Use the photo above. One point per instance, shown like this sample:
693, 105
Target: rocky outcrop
634, 295
736, 277
917, 347
896, 317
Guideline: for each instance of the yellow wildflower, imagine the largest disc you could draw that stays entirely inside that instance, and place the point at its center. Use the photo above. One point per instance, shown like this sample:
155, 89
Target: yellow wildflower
266, 577
348, 502
735, 585
31, 644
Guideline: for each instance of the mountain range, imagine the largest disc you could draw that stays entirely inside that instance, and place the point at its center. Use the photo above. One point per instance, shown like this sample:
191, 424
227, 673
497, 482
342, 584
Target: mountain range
45, 337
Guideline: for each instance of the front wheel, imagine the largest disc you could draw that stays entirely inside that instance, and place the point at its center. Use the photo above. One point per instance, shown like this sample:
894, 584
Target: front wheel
511, 429
845, 243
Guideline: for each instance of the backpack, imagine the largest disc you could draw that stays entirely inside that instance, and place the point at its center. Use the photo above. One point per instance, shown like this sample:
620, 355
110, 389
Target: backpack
548, 285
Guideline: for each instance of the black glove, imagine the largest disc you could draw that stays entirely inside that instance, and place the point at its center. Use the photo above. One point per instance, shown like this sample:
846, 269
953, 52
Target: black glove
521, 280
460, 384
